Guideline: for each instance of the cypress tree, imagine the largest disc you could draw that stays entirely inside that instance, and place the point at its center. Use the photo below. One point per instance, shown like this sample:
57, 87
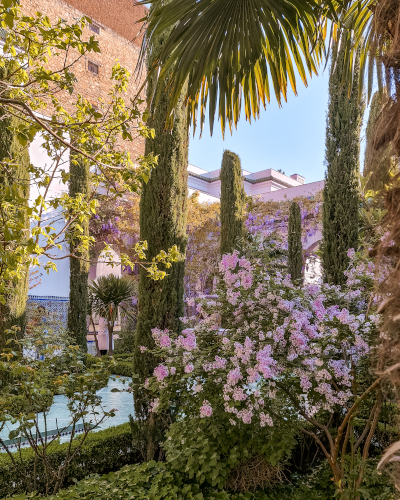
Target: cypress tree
341, 199
232, 201
295, 253
13, 312
380, 163
79, 269
163, 213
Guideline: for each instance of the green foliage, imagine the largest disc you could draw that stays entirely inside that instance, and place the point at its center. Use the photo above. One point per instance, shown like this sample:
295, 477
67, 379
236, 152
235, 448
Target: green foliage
232, 202
120, 366
12, 311
123, 368
125, 345
102, 452
234, 53
37, 368
91, 131
163, 214
295, 250
341, 199
157, 481
209, 449
110, 292
318, 485
79, 267
147, 481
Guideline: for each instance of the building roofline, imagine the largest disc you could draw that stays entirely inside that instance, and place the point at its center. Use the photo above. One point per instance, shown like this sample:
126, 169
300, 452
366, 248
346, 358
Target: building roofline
245, 179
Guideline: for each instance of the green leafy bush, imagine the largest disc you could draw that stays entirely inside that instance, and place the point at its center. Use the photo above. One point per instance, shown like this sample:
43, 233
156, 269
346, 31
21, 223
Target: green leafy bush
125, 356
208, 450
123, 368
125, 345
103, 451
122, 365
157, 481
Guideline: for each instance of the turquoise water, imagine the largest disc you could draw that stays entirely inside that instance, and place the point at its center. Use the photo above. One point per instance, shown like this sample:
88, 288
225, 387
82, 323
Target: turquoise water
59, 417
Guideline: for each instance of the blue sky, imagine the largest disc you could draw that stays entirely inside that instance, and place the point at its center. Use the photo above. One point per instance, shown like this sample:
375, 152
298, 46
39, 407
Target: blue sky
291, 138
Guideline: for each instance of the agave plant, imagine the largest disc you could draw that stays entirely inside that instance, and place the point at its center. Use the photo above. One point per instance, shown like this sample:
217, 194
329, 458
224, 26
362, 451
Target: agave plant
106, 295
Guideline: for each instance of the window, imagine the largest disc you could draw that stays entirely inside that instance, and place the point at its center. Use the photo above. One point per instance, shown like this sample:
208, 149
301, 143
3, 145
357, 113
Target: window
93, 67
95, 27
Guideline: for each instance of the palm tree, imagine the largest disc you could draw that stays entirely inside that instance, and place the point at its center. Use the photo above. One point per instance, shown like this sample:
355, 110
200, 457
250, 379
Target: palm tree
227, 50
106, 295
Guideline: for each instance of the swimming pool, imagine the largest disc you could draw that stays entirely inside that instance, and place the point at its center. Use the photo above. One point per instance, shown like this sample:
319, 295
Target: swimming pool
58, 416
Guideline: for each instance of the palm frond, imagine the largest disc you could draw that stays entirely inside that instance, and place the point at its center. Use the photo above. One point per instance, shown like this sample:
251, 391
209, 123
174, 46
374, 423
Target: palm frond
230, 52
364, 26
108, 293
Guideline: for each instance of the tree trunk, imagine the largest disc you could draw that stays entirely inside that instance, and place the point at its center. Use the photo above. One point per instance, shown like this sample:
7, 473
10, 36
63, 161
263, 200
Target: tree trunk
110, 326
96, 340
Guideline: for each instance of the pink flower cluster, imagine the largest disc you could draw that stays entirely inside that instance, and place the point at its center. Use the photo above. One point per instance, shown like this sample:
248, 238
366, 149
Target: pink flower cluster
206, 409
160, 372
273, 332
187, 340
154, 405
161, 337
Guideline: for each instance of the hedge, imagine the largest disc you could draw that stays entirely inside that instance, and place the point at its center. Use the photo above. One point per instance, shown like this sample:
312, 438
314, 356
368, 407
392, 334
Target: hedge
123, 356
158, 481
104, 451
123, 367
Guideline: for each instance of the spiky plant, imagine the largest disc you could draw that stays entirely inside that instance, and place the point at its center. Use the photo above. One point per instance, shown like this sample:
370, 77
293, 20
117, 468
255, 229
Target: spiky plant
382, 163
107, 295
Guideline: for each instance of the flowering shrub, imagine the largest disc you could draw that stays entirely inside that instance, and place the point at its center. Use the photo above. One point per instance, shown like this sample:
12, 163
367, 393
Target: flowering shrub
266, 217
298, 349
277, 331
202, 251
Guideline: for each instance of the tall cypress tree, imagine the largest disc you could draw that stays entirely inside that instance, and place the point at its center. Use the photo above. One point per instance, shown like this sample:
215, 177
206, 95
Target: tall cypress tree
295, 250
163, 214
341, 200
232, 201
13, 312
79, 183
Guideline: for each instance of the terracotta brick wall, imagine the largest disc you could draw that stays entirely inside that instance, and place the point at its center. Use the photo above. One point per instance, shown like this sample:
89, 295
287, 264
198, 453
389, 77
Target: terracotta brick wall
119, 15
116, 30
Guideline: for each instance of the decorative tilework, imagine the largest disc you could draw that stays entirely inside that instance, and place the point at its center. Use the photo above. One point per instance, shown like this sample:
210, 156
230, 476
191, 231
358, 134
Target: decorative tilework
57, 305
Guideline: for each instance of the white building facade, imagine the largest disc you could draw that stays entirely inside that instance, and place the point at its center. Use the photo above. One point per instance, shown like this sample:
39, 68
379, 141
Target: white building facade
267, 185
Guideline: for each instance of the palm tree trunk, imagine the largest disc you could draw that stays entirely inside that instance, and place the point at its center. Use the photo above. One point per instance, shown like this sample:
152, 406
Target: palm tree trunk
110, 326
96, 340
